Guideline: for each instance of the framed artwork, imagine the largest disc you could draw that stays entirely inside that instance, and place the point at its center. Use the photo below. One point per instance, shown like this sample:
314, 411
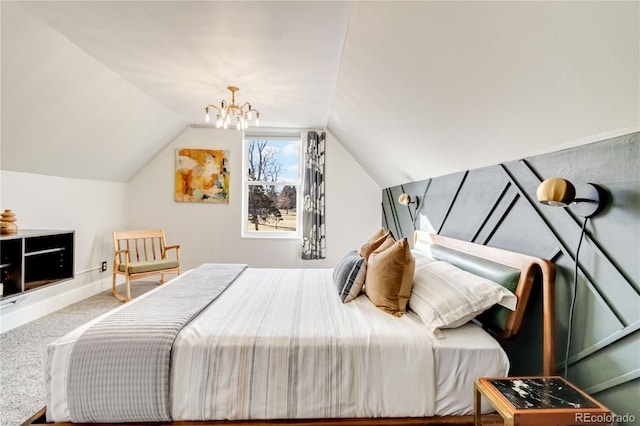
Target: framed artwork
202, 175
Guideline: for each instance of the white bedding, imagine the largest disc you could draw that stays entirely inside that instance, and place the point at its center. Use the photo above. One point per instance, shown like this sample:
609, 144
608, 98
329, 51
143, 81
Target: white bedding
286, 347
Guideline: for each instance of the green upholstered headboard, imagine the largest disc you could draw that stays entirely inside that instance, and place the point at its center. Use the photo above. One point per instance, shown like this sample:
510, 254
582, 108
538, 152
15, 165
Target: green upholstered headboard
508, 277
515, 271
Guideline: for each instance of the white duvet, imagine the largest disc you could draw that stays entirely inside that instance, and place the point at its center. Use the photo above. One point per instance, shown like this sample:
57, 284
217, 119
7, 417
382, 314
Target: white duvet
278, 343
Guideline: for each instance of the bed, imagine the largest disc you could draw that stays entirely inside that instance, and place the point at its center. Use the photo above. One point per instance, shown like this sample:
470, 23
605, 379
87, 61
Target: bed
279, 344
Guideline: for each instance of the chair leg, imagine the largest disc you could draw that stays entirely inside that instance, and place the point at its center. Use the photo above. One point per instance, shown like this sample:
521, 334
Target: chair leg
128, 289
113, 284
114, 290
161, 278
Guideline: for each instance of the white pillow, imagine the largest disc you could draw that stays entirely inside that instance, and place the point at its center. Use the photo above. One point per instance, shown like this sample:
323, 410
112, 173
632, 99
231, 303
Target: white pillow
445, 296
421, 259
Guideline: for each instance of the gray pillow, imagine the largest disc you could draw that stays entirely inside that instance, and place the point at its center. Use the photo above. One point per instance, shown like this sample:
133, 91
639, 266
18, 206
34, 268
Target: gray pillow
349, 275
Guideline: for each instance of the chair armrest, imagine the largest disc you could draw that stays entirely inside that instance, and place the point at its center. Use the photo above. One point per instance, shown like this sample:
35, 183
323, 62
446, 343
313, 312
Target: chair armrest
174, 247
116, 256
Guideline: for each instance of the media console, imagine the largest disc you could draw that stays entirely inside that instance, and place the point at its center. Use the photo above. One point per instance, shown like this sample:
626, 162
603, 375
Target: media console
31, 259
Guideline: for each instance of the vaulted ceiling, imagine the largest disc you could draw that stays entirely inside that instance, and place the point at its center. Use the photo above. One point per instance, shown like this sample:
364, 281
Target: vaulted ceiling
94, 90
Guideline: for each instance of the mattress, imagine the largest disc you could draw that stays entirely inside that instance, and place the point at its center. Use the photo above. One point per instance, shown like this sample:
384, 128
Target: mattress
279, 344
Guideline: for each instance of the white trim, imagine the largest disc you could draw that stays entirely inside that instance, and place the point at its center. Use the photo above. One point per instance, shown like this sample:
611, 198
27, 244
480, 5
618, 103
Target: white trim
276, 136
584, 141
273, 134
270, 235
19, 316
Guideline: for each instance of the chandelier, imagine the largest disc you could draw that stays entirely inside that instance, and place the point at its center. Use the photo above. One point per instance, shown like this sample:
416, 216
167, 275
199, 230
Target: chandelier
230, 113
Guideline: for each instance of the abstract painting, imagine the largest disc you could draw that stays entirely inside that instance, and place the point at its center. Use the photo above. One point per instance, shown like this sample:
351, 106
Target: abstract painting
202, 175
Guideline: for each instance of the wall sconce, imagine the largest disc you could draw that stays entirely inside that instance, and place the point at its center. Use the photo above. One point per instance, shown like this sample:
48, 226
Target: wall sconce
406, 199
584, 200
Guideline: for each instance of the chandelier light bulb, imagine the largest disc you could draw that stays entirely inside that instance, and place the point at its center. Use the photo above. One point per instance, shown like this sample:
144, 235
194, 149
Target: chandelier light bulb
229, 112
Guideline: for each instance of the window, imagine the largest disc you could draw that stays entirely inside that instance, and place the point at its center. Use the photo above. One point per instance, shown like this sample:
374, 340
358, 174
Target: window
271, 186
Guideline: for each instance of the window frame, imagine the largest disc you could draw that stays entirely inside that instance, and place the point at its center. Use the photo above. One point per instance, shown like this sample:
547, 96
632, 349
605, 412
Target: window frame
246, 183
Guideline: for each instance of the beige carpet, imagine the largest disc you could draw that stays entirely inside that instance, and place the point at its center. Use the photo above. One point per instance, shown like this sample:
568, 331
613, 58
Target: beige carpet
23, 350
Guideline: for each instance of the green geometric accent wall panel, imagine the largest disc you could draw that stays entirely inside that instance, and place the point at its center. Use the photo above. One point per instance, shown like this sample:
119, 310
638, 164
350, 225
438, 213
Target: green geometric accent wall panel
497, 206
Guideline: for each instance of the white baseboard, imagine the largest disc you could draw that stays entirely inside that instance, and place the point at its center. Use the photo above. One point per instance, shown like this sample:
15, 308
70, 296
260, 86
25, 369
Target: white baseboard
24, 311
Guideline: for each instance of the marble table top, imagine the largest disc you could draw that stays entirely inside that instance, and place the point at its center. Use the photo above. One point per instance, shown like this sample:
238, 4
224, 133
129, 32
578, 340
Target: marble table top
538, 393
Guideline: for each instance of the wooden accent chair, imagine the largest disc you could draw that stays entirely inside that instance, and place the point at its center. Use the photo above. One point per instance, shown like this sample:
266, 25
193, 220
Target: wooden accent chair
140, 254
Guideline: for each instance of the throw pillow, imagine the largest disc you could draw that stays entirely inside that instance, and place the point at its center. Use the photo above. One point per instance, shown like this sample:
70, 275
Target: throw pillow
349, 275
445, 296
389, 277
374, 242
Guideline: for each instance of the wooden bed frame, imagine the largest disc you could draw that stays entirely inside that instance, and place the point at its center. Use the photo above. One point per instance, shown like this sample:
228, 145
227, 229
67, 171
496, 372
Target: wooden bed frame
487, 420
529, 266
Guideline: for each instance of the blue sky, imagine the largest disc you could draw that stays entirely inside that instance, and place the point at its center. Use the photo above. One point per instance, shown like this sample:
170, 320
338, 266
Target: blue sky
289, 156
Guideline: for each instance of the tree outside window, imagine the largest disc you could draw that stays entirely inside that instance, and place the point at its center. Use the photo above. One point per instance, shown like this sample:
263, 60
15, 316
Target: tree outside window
272, 180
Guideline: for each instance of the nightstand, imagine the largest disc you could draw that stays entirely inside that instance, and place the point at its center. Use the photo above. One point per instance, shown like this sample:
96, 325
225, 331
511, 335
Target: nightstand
544, 401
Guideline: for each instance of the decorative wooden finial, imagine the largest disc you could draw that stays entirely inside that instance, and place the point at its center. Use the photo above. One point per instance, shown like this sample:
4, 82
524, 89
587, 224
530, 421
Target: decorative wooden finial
7, 222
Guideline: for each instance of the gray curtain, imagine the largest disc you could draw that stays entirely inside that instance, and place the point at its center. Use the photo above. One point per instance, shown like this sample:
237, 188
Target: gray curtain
313, 229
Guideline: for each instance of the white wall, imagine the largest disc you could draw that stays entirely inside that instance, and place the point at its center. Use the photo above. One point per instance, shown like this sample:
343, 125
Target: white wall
211, 232
91, 208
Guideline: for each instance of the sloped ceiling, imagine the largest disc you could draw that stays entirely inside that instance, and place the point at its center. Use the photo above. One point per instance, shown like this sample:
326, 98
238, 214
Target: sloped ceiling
431, 88
66, 114
411, 89
99, 88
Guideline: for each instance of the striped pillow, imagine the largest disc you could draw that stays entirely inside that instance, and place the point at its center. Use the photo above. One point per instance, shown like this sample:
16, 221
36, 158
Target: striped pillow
445, 296
349, 275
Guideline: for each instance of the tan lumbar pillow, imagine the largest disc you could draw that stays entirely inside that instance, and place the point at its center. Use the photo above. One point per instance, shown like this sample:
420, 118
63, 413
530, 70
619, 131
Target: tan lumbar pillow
374, 242
389, 276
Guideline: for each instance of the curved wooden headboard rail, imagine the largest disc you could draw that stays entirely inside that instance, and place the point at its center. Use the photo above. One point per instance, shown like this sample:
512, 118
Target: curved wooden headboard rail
529, 266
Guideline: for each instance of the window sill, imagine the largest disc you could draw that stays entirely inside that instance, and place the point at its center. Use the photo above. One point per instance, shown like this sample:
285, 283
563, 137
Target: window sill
271, 236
